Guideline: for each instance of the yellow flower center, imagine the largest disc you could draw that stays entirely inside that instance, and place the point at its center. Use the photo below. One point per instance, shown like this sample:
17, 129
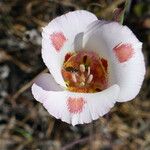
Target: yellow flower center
85, 72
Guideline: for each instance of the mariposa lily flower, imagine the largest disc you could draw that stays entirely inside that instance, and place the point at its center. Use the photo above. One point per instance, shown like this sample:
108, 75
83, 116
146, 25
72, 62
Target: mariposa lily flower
93, 64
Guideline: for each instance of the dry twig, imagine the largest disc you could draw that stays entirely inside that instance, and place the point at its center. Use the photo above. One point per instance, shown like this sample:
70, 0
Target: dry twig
4, 56
26, 86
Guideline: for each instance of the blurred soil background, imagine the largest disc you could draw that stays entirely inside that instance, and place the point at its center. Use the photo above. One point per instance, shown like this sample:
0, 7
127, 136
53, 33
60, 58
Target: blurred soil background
24, 123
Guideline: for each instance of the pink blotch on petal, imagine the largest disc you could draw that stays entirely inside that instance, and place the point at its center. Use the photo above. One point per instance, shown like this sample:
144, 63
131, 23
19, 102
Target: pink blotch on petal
123, 52
75, 105
58, 39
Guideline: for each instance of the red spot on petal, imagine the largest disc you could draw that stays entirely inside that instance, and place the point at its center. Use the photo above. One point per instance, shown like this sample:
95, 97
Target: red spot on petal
104, 63
58, 39
75, 105
123, 52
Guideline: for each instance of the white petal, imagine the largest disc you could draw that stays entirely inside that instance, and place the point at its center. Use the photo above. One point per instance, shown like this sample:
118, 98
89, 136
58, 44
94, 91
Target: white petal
128, 73
74, 108
46, 82
58, 39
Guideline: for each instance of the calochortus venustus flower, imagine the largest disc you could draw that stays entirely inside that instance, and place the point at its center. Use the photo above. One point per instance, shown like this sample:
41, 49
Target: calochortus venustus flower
93, 64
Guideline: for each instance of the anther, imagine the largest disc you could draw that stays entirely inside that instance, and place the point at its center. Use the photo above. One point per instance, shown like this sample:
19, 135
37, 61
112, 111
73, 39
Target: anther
82, 68
90, 78
74, 77
89, 70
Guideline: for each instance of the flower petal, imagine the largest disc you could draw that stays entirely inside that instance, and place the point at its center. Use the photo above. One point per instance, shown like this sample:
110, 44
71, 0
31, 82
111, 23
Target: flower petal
119, 45
73, 108
47, 82
58, 39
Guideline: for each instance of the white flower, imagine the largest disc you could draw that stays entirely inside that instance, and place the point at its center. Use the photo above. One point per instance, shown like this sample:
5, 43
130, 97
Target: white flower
95, 62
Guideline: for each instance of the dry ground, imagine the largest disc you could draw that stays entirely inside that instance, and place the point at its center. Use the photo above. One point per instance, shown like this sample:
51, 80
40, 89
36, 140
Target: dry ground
24, 123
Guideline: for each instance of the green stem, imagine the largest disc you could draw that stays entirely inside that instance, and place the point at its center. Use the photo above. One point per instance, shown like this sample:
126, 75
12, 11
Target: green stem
127, 3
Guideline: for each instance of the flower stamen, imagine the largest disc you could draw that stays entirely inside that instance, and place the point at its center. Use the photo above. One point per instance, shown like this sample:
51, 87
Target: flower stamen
82, 68
74, 79
84, 72
88, 73
82, 77
90, 78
